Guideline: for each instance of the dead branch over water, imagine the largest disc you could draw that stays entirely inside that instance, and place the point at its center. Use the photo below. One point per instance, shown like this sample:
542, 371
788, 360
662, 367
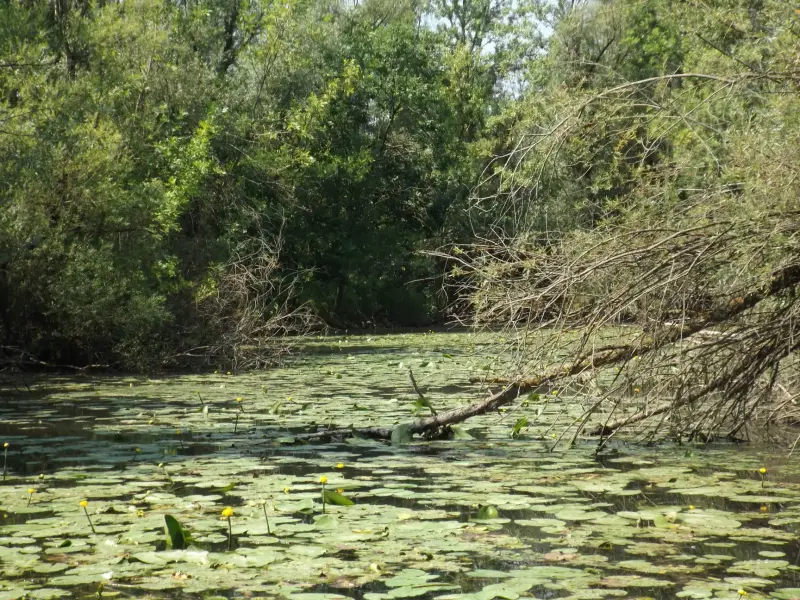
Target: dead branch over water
704, 278
674, 311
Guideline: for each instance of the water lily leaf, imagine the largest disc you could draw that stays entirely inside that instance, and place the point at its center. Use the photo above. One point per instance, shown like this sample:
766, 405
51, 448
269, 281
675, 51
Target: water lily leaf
307, 551
176, 538
410, 578
762, 499
699, 590
150, 558
70, 580
640, 515
326, 522
332, 497
758, 568
309, 596
487, 512
710, 520
772, 554
509, 590
711, 491
259, 557
401, 434
172, 556
44, 593
420, 590
459, 433
50, 568
634, 581
540, 522
548, 572
576, 514
742, 582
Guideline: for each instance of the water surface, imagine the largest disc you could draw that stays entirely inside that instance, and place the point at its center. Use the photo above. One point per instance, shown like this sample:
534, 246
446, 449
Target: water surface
664, 521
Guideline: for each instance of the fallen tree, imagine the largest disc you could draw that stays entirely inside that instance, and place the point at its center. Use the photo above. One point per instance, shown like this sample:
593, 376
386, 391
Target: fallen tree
743, 373
641, 236
692, 259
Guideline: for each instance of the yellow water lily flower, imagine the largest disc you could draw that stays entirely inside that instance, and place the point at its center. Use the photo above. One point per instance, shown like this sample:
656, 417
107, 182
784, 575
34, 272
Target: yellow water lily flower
340, 491
763, 470
227, 512
323, 480
31, 491
84, 503
764, 508
286, 490
5, 445
340, 465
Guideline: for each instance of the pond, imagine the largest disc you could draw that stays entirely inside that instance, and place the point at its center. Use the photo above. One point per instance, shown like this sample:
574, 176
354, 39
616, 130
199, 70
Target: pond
634, 522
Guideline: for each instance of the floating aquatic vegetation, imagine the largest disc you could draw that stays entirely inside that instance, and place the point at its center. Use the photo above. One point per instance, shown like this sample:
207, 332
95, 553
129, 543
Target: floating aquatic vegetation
401, 521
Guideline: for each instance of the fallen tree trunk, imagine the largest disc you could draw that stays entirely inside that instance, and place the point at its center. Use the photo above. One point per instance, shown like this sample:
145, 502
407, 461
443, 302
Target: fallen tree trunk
585, 362
429, 425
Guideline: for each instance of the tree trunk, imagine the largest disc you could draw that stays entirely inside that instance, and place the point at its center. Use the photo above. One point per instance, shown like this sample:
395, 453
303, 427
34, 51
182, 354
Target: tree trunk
782, 281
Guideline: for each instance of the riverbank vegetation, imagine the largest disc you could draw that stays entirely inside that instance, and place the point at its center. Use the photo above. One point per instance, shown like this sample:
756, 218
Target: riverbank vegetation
181, 180
187, 184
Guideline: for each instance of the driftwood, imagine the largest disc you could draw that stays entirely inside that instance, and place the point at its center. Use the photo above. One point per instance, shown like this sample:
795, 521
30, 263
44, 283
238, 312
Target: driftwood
444, 419
587, 362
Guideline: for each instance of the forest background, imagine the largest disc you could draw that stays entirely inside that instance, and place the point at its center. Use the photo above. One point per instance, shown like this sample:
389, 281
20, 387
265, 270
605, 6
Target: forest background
184, 181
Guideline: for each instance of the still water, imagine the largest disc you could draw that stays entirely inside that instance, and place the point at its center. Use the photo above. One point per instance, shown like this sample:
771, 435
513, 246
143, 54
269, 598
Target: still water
663, 521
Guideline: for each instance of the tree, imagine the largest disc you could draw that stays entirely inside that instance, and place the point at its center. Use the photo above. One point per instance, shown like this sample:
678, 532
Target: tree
108, 148
688, 173
672, 310
180, 174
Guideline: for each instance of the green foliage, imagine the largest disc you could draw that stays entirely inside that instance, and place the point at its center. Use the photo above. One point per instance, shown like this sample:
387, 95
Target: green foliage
183, 182
402, 434
336, 498
176, 175
177, 538
652, 183
487, 512
520, 424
